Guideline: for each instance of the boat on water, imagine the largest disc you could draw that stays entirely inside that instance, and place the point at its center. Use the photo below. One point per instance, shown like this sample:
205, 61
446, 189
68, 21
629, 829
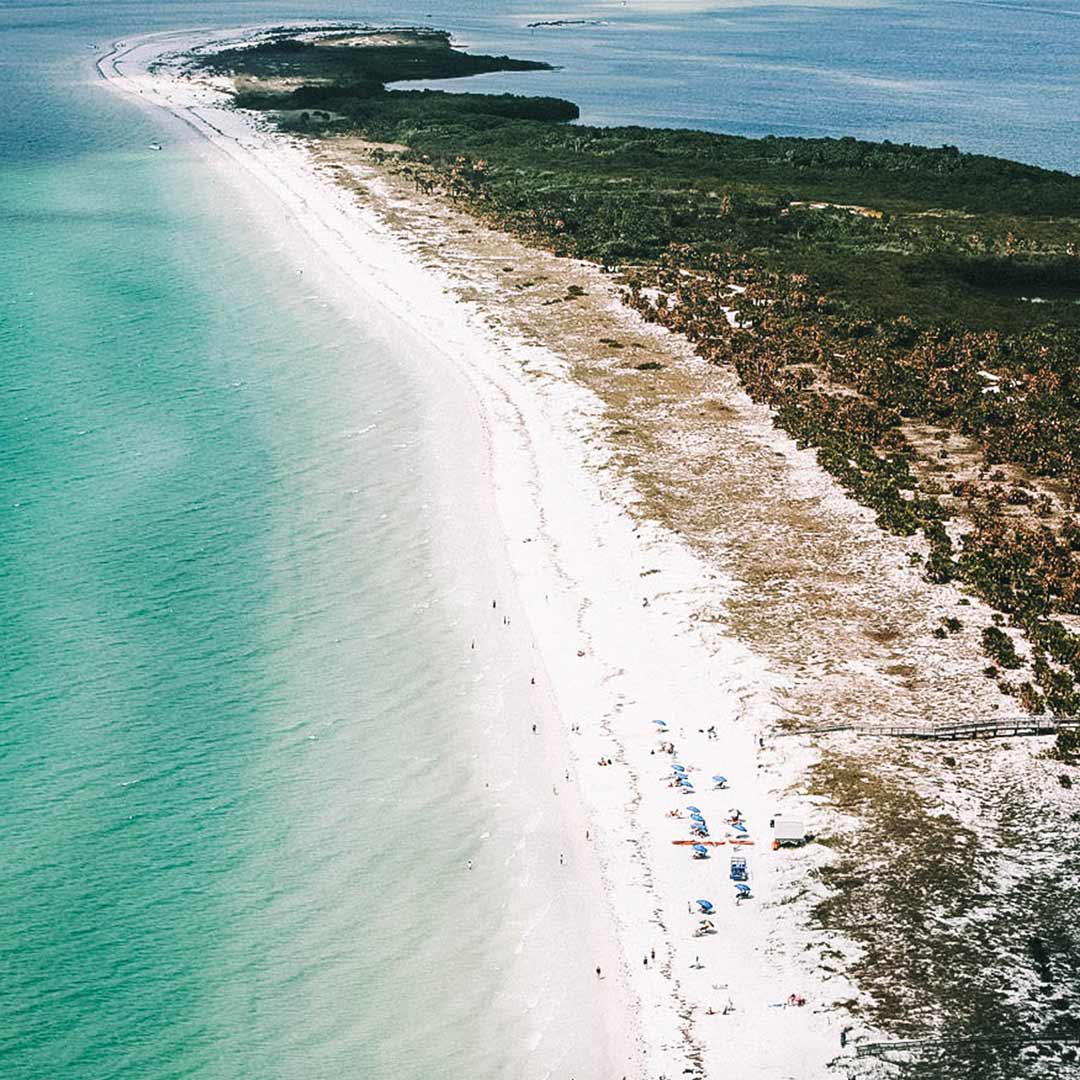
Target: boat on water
156, 146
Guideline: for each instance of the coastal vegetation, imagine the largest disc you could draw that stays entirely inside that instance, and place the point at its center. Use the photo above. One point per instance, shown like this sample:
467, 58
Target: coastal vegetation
911, 313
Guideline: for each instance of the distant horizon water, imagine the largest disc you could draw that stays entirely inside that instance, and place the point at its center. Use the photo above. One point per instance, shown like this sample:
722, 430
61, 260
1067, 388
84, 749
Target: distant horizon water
224, 709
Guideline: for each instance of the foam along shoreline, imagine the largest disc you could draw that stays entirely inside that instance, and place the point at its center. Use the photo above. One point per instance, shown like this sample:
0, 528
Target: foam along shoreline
541, 521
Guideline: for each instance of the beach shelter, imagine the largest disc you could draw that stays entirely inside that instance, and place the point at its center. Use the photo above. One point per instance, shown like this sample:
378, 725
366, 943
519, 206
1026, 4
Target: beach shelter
701, 851
789, 832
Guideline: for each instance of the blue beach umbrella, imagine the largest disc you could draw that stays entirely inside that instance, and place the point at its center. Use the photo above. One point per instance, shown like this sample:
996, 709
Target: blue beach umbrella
697, 816
693, 810
679, 768
683, 782
705, 905
739, 828
700, 849
743, 889
720, 779
660, 723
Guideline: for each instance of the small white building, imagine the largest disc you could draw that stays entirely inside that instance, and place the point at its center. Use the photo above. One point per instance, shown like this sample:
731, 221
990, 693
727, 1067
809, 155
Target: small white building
789, 832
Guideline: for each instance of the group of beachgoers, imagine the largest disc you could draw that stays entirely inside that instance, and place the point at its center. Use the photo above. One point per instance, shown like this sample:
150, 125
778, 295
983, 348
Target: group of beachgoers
737, 831
737, 835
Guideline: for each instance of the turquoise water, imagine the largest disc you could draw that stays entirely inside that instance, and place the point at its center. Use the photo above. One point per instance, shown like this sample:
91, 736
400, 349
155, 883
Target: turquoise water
222, 721
236, 776
202, 735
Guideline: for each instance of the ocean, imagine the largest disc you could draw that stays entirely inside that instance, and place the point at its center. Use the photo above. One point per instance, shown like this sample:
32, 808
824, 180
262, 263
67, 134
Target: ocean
240, 731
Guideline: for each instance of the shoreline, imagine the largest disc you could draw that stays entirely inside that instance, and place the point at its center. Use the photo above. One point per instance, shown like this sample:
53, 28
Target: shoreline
577, 558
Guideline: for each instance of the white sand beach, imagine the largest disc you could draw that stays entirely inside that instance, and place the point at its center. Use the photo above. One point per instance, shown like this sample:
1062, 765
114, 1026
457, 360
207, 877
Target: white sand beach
584, 620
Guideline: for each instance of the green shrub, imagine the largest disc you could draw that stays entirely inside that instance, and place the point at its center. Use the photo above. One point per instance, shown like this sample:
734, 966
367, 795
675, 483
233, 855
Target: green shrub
999, 647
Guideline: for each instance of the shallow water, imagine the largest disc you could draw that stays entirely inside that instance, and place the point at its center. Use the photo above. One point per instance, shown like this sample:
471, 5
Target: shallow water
238, 763
235, 802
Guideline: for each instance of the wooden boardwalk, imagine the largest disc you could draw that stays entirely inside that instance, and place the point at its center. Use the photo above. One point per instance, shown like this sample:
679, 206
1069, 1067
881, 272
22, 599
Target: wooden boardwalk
998, 728
877, 1049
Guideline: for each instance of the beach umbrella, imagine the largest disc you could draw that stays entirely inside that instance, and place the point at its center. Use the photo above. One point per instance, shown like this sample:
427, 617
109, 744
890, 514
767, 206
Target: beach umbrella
697, 816
693, 809
678, 768
739, 828
660, 723
684, 782
740, 888
705, 905
721, 780
700, 849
